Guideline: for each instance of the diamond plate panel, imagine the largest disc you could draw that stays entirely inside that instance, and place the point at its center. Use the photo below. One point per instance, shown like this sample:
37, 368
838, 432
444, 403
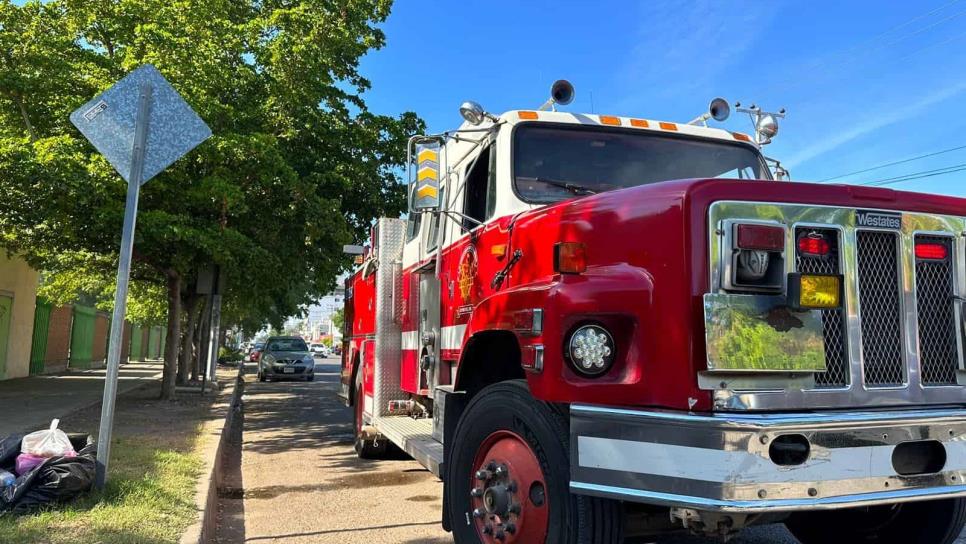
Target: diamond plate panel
938, 352
836, 358
877, 253
390, 237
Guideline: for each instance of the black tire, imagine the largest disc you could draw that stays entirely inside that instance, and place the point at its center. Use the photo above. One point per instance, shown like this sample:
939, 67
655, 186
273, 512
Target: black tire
930, 522
365, 449
311, 378
509, 407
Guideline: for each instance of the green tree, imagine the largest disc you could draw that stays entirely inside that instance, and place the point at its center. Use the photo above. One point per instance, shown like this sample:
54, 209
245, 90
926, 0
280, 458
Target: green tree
338, 319
297, 165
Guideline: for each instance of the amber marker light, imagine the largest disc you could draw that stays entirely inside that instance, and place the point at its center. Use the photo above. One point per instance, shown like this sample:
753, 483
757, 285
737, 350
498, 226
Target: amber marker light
570, 257
814, 291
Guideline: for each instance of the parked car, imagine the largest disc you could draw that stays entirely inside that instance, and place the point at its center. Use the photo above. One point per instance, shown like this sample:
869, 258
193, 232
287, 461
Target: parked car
256, 351
319, 350
337, 350
286, 357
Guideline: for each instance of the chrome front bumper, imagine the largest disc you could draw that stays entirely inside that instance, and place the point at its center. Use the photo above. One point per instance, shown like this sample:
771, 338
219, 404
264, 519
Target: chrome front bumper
722, 463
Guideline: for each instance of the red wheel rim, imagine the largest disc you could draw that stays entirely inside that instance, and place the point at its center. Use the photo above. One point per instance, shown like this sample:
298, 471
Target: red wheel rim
508, 491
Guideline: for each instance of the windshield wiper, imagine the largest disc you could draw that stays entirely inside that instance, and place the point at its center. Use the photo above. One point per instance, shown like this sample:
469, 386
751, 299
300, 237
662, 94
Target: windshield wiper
574, 188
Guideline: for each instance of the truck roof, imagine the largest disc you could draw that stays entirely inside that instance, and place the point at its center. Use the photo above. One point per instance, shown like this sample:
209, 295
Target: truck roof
528, 116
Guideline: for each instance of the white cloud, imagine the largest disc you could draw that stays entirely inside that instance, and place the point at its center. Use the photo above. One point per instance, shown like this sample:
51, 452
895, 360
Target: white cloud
881, 118
685, 46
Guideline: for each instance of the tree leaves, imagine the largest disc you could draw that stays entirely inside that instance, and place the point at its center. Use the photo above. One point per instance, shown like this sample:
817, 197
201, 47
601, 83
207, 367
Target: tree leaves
296, 168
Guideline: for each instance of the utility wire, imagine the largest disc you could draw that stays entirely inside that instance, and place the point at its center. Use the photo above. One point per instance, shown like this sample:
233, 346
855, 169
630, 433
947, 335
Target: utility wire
855, 52
903, 161
916, 175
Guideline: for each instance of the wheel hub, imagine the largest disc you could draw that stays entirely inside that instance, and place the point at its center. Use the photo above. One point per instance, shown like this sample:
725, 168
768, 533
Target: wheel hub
508, 491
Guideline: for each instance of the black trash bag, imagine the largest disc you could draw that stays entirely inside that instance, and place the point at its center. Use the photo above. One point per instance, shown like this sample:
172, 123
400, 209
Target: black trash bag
9, 450
58, 479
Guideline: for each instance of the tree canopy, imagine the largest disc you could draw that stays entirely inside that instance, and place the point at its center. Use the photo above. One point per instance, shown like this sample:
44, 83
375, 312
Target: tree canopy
297, 165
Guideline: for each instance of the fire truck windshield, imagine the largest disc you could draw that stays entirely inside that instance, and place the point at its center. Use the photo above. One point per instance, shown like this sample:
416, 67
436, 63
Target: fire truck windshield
555, 162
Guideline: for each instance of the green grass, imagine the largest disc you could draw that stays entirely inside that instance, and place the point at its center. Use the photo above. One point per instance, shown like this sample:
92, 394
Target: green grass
149, 499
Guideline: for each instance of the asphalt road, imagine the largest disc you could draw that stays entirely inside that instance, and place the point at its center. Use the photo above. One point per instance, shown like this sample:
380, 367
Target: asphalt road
300, 480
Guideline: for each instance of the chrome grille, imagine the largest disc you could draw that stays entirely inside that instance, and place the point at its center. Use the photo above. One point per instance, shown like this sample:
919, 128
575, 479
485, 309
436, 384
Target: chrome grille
938, 352
877, 253
836, 359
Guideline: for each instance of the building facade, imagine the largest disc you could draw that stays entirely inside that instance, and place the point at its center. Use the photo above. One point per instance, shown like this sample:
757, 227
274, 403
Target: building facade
18, 299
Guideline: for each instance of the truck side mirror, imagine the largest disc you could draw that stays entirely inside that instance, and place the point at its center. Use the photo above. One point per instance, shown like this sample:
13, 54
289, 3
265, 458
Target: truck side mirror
425, 197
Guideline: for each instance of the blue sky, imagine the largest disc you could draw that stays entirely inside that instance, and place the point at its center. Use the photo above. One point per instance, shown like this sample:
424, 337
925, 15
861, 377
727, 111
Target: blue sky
864, 83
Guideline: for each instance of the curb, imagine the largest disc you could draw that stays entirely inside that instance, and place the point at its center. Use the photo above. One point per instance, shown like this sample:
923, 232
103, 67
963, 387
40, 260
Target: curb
206, 494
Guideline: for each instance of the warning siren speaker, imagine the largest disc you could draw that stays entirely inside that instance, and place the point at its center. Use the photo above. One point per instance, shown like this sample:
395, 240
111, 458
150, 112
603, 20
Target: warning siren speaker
561, 92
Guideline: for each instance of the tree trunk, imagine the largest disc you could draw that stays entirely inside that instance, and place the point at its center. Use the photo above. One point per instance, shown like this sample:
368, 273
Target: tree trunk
174, 336
184, 361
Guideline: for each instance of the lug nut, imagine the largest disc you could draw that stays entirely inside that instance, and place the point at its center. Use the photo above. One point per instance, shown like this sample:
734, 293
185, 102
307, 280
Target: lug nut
491, 466
511, 528
476, 492
500, 470
512, 487
477, 513
483, 475
487, 529
514, 509
499, 534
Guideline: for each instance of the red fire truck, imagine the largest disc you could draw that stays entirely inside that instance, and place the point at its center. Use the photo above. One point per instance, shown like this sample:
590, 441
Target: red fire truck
594, 327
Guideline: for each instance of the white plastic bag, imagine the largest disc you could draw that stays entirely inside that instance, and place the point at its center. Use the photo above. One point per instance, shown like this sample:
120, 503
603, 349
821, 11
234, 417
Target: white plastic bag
50, 443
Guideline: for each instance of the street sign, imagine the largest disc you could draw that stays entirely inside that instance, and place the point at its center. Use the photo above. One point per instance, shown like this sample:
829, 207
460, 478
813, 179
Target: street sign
141, 125
109, 120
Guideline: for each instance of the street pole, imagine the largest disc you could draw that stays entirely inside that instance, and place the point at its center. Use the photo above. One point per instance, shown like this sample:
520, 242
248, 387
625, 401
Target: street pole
215, 335
123, 274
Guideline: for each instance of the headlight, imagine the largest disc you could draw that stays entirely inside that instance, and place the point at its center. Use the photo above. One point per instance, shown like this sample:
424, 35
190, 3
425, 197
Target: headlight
591, 350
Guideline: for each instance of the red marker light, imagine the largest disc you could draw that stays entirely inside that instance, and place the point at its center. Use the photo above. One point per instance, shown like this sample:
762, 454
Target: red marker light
761, 237
932, 252
813, 245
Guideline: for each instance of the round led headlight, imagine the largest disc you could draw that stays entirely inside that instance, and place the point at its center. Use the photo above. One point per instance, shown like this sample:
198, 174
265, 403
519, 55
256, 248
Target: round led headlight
591, 350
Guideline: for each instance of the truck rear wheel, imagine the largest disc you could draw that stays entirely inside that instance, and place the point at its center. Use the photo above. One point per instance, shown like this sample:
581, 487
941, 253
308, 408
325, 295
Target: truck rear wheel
365, 448
508, 476
930, 522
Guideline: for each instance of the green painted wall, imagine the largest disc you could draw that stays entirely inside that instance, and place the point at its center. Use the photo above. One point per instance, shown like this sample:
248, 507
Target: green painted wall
38, 347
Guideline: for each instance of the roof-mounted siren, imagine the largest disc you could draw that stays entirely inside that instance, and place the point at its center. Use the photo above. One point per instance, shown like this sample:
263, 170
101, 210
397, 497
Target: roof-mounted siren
474, 114
561, 92
765, 123
718, 109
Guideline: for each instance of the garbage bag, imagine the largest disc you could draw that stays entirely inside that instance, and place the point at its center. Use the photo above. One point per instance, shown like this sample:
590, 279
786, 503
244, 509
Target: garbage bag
57, 479
47, 443
9, 450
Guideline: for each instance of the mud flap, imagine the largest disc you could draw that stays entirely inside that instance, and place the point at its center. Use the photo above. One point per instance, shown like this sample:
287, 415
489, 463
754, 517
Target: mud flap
448, 409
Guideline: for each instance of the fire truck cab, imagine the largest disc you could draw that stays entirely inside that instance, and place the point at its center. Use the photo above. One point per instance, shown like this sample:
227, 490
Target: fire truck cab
594, 327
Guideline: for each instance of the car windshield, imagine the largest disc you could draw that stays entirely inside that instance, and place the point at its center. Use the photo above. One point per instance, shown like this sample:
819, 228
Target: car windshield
553, 163
287, 344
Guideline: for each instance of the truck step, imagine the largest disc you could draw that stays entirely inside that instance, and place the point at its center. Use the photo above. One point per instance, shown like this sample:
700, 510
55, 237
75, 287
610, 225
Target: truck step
415, 437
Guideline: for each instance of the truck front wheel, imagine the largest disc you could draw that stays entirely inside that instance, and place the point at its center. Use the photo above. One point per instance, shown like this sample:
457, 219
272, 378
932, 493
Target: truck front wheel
508, 476
930, 522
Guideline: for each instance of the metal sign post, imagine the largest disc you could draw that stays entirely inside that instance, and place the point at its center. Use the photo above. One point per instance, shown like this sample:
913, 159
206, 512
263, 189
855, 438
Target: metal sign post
120, 296
141, 125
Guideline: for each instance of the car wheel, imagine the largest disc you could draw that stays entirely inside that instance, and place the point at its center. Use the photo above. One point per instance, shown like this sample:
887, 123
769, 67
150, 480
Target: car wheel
928, 522
311, 378
509, 472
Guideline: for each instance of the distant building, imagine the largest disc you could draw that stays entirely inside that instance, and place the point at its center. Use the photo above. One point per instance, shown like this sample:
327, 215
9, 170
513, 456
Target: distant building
318, 322
18, 298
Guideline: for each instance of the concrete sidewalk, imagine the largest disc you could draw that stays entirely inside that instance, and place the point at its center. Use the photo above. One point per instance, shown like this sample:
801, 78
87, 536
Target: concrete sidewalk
28, 404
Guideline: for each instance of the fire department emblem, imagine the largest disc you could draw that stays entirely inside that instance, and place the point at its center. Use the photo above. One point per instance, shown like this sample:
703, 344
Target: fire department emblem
469, 266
